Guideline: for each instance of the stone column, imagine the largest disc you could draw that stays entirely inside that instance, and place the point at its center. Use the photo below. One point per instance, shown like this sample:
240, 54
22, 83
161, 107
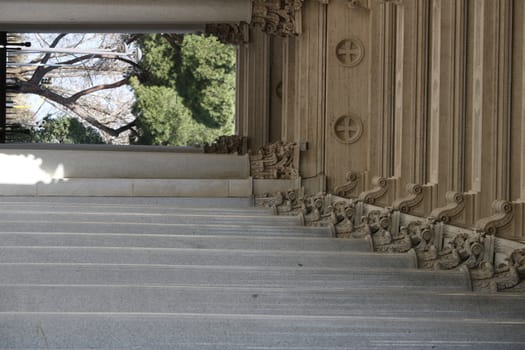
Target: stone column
118, 15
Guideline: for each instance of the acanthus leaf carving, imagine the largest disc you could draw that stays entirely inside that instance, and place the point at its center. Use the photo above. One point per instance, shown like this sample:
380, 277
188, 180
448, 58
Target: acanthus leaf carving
278, 160
280, 18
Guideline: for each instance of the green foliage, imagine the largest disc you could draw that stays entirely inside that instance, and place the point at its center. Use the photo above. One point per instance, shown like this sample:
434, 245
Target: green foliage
207, 79
65, 130
186, 94
162, 119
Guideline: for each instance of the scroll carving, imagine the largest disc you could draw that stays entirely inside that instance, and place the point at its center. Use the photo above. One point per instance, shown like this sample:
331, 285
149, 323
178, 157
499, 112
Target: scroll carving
503, 214
275, 161
455, 205
415, 197
379, 190
227, 144
280, 18
283, 203
230, 33
353, 179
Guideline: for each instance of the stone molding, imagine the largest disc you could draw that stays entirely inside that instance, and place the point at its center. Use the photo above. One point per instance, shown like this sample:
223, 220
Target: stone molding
279, 18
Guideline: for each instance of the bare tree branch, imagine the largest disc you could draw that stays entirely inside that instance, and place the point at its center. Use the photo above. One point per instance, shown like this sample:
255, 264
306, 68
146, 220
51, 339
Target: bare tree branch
75, 97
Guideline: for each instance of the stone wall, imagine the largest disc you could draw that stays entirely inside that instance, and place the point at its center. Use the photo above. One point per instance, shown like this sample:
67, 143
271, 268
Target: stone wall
415, 104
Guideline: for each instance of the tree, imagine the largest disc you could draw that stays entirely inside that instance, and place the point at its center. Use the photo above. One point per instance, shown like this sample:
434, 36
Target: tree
93, 75
199, 67
65, 129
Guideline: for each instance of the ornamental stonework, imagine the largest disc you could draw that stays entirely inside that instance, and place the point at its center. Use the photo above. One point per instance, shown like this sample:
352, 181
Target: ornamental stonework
278, 17
350, 52
348, 129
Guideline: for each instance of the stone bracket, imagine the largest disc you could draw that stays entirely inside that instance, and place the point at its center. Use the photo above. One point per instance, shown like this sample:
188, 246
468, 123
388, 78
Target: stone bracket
459, 209
418, 201
353, 186
382, 192
503, 214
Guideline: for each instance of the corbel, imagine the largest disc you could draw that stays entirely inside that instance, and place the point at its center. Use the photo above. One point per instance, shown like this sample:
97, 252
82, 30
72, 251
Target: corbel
417, 202
353, 186
382, 193
459, 209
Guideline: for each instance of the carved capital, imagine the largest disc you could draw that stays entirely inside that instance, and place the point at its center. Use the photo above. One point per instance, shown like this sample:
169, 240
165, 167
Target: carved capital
354, 181
278, 17
503, 214
229, 33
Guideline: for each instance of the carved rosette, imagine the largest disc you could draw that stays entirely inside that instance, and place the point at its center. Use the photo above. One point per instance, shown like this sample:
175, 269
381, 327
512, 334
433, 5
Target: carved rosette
278, 17
230, 33
275, 161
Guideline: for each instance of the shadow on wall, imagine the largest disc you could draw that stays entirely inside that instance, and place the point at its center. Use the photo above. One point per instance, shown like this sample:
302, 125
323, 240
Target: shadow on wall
27, 170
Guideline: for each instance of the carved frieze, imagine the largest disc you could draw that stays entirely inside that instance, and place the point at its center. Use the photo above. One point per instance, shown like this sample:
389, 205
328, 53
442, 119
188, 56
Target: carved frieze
290, 202
278, 17
230, 33
278, 160
227, 144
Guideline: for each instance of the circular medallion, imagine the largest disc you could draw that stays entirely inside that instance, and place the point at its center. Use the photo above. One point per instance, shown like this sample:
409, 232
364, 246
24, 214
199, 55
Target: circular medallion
348, 129
350, 52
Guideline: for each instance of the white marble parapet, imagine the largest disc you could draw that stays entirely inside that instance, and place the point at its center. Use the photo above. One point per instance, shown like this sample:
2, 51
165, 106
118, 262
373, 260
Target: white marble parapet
31, 165
118, 15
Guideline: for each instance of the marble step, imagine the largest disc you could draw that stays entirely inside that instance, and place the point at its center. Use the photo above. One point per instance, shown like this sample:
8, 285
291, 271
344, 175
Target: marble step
202, 257
246, 229
269, 277
236, 332
158, 202
133, 187
260, 301
183, 241
197, 218
129, 209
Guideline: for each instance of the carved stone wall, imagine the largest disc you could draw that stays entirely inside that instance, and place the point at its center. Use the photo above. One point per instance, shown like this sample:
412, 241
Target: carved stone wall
421, 101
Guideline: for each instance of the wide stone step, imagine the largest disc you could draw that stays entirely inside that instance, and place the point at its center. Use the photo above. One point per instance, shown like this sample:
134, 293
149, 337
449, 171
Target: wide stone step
203, 257
207, 331
268, 277
182, 241
260, 301
247, 229
22, 208
7, 216
157, 202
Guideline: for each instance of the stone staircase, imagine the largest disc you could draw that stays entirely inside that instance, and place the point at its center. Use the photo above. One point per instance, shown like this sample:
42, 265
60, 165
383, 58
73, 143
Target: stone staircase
214, 273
